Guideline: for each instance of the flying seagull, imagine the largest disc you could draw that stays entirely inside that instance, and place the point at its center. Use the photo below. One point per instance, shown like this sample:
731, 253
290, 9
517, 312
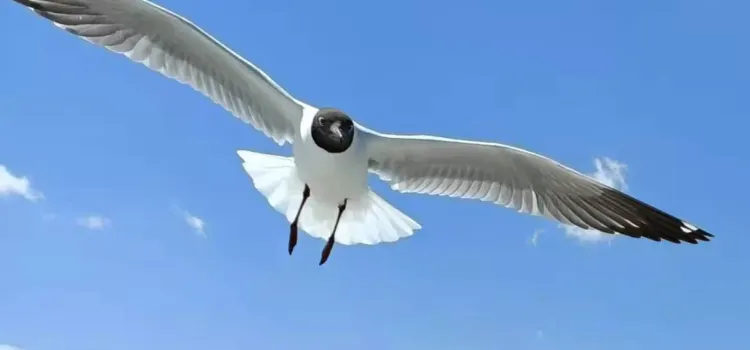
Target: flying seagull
323, 188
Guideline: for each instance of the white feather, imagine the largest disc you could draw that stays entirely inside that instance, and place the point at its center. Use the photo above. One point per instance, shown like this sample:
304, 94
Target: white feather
367, 219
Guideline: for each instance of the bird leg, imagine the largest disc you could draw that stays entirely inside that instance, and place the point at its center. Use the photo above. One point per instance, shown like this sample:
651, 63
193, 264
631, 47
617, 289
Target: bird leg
293, 226
329, 245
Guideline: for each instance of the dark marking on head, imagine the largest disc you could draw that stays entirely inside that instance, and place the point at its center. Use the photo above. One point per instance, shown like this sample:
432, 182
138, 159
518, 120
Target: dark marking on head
332, 130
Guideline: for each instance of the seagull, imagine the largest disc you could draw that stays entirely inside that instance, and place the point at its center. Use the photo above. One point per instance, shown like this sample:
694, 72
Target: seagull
323, 188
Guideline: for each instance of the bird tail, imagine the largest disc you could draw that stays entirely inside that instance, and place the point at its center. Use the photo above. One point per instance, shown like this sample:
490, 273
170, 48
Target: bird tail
366, 220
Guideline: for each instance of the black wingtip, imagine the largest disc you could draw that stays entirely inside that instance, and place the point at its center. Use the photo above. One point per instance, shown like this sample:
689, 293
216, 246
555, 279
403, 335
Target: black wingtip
649, 222
696, 234
694, 237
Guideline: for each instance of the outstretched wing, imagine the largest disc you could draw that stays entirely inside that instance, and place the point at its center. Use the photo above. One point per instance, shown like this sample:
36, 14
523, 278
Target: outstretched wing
170, 44
517, 179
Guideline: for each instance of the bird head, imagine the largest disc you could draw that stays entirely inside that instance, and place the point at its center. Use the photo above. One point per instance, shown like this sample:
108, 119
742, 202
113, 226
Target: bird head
333, 130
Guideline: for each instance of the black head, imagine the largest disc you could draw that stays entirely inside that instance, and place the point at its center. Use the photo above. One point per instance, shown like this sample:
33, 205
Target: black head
332, 130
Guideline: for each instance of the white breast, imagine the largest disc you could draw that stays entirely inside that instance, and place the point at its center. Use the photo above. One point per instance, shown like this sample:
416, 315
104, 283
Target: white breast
332, 177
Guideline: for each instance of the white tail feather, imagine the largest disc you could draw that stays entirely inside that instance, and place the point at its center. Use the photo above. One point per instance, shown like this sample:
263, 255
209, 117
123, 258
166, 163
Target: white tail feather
366, 220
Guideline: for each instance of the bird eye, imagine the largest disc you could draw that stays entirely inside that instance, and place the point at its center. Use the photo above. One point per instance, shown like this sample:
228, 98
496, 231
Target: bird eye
321, 120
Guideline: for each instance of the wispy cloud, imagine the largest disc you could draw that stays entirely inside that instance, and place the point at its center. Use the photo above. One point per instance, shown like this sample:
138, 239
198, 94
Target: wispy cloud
8, 347
534, 240
94, 222
13, 185
611, 173
195, 223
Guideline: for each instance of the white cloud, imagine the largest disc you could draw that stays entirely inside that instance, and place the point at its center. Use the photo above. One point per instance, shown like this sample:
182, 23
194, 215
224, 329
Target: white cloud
12, 185
195, 223
94, 222
611, 173
535, 237
8, 347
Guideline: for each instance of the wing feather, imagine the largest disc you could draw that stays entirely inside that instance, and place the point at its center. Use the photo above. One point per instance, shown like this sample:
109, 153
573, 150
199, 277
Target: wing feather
518, 179
173, 46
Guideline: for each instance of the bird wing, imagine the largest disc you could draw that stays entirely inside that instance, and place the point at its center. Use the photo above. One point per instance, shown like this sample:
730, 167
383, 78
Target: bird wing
518, 179
170, 44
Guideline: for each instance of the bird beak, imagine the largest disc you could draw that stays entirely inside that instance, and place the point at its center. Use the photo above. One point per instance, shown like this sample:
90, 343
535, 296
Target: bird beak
336, 130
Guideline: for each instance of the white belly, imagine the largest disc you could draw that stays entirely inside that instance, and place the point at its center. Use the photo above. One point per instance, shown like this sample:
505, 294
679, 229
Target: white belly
332, 177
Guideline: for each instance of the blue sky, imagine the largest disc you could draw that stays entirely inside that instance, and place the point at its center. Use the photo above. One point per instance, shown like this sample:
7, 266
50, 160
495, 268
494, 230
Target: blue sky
103, 161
